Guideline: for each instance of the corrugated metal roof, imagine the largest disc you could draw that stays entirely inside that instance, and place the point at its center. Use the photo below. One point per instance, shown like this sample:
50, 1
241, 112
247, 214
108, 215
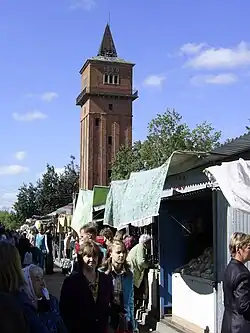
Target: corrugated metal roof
196, 159
235, 146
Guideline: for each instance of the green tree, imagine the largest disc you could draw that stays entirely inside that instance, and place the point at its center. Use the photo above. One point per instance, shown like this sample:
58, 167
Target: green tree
9, 220
50, 192
47, 191
25, 205
69, 182
166, 134
127, 160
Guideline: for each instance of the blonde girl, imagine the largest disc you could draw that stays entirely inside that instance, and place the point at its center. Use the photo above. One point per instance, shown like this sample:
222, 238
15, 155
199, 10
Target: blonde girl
122, 307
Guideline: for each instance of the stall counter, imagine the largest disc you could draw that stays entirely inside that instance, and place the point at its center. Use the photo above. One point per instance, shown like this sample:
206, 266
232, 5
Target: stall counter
193, 302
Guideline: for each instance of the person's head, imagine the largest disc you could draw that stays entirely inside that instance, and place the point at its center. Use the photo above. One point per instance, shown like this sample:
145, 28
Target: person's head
89, 255
129, 242
13, 320
34, 282
239, 246
108, 235
11, 275
87, 232
117, 255
119, 235
145, 239
41, 229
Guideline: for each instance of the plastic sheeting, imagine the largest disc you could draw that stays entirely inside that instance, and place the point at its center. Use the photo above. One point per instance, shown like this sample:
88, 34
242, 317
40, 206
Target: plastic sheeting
233, 178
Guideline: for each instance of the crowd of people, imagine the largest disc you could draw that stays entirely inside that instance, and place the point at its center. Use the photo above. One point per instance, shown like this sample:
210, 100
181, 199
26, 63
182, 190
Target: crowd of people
107, 283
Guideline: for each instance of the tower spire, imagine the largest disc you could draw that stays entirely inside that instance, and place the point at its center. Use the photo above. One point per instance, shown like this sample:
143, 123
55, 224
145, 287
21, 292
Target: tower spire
107, 48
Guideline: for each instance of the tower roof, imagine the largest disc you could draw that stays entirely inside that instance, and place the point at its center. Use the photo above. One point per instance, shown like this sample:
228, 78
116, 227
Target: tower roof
107, 47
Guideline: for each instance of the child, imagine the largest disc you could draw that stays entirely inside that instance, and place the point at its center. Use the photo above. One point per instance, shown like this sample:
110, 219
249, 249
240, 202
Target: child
122, 307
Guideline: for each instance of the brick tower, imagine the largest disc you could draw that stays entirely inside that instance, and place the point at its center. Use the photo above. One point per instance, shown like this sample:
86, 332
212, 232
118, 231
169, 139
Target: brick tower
106, 112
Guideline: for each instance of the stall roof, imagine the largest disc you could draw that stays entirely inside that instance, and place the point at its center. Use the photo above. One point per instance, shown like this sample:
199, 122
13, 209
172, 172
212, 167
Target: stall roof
235, 146
182, 161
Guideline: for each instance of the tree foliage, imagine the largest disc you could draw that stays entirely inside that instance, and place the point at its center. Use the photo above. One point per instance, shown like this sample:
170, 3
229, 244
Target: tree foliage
166, 134
50, 192
8, 219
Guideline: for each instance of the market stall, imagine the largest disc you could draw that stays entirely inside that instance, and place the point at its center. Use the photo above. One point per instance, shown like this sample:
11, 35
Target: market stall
187, 278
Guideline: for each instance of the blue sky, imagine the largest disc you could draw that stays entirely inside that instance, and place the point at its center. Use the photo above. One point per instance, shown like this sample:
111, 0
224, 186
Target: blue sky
192, 55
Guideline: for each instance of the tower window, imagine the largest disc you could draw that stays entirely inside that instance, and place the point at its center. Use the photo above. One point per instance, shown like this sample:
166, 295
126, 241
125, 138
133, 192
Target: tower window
116, 79
110, 107
110, 79
110, 140
97, 121
106, 79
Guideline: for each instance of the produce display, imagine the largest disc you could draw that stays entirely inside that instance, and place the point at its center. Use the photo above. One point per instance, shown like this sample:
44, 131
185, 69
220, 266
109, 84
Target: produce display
201, 267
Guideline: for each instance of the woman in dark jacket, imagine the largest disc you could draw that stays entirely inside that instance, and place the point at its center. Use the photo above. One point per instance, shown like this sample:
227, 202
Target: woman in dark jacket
86, 294
236, 286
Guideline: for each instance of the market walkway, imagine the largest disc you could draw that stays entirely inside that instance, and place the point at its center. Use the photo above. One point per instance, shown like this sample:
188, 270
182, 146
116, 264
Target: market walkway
54, 282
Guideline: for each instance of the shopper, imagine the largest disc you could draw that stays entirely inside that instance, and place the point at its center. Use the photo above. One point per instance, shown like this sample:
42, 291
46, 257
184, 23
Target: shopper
139, 262
12, 282
122, 306
87, 293
45, 304
236, 286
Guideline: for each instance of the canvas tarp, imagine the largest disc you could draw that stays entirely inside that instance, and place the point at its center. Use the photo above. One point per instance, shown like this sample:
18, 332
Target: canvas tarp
136, 200
233, 178
83, 211
114, 202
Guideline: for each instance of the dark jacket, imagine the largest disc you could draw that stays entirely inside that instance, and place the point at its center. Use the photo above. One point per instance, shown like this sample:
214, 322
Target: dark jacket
78, 308
35, 323
236, 287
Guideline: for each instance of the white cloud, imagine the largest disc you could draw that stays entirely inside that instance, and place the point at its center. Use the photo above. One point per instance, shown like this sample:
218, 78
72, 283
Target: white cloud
191, 48
7, 199
29, 116
47, 96
214, 58
20, 155
219, 79
14, 169
154, 80
82, 4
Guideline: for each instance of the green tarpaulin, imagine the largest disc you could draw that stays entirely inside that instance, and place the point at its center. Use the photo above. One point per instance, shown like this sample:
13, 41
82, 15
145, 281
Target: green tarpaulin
136, 200
100, 195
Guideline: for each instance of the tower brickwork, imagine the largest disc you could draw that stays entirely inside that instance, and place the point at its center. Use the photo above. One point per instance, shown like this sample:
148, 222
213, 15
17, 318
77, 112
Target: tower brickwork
106, 112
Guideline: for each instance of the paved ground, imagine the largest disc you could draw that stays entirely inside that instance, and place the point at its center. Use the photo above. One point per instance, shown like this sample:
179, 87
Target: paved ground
54, 282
